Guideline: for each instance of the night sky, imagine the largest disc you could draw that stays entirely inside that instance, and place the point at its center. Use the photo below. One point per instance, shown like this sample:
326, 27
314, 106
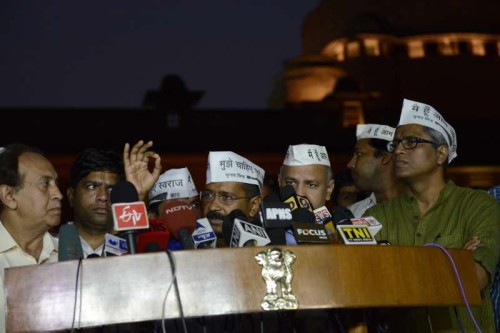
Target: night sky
109, 53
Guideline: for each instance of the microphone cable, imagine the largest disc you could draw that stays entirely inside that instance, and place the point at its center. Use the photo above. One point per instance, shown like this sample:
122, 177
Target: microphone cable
459, 280
174, 283
77, 280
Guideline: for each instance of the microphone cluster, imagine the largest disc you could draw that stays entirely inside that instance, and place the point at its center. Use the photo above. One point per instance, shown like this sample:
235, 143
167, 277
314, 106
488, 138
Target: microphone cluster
291, 219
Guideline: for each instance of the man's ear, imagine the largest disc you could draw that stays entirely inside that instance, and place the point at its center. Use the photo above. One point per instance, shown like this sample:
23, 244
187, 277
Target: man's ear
443, 152
7, 196
70, 193
387, 157
329, 189
255, 206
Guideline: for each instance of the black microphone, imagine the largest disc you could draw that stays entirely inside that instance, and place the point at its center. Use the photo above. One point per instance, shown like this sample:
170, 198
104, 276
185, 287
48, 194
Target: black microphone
228, 224
276, 217
125, 192
70, 245
289, 196
341, 214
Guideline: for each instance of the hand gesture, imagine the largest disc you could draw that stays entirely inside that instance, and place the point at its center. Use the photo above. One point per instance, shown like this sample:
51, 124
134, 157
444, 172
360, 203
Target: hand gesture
136, 163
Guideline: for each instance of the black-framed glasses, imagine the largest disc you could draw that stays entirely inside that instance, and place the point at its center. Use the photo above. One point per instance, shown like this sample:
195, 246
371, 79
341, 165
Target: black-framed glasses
408, 142
226, 198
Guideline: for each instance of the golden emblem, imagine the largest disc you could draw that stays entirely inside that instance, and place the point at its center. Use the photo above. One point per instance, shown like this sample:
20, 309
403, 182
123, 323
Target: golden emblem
278, 274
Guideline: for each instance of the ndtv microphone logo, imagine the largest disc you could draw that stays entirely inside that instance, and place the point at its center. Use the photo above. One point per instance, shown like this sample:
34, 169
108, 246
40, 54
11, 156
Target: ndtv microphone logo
129, 216
177, 209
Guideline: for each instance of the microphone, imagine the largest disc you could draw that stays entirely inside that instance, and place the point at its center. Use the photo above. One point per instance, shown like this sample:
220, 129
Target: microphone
129, 214
276, 217
289, 196
239, 232
114, 245
310, 233
248, 234
70, 245
180, 219
341, 214
324, 218
359, 231
203, 235
153, 241
228, 224
301, 210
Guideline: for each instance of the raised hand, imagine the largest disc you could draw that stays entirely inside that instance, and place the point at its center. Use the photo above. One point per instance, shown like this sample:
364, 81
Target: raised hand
136, 162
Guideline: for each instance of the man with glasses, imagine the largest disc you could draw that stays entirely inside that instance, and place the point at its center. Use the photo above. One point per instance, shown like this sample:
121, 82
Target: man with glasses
434, 210
233, 182
372, 166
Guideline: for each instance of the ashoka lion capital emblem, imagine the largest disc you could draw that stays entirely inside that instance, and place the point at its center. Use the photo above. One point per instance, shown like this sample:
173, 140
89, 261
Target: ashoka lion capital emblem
277, 273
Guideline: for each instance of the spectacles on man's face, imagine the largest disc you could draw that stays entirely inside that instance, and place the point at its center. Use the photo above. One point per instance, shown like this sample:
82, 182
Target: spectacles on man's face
226, 198
408, 142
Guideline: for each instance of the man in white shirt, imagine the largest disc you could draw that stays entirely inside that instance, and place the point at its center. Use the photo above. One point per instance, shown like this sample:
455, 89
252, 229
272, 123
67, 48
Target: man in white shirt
30, 206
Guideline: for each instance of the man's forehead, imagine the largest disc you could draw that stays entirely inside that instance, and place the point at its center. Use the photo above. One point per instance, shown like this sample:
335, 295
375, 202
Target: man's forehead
37, 165
363, 144
224, 186
409, 129
305, 172
102, 176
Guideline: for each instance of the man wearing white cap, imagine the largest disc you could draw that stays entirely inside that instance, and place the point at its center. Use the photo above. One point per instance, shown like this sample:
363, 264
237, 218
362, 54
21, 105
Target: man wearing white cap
233, 182
173, 184
307, 168
372, 166
434, 210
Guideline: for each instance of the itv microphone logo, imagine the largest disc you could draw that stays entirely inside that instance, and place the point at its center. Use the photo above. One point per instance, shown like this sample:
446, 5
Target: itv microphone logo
130, 216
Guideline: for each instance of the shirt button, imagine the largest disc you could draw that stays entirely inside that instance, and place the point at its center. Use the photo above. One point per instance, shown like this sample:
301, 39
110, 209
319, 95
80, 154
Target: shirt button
415, 218
419, 234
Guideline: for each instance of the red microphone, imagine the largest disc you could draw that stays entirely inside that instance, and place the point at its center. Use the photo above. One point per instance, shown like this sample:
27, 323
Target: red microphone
155, 239
180, 219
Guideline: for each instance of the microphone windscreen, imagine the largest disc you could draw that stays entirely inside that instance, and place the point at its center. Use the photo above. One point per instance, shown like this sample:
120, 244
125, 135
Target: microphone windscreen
228, 223
70, 245
341, 214
123, 191
303, 215
286, 192
179, 216
152, 241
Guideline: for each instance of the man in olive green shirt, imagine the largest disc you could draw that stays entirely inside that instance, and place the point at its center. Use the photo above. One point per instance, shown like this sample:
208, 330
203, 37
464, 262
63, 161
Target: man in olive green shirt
434, 210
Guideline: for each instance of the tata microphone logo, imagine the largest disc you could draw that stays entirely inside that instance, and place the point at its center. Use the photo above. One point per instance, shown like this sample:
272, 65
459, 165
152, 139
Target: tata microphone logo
129, 216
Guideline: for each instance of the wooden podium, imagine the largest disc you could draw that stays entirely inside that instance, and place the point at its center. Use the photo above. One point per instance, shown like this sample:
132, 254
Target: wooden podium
212, 282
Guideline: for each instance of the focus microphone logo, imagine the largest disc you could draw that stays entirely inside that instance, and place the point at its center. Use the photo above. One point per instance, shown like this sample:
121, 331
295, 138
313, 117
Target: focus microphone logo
130, 216
310, 233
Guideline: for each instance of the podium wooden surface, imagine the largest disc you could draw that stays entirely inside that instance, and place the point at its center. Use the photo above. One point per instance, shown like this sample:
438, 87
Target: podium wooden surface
212, 282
